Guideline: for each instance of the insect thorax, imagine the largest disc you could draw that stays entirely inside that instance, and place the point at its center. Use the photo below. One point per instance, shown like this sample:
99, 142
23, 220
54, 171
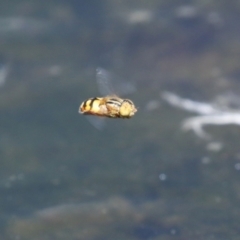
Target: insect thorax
114, 102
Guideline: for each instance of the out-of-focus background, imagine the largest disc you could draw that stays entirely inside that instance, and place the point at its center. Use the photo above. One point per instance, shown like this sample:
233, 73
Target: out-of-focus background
143, 178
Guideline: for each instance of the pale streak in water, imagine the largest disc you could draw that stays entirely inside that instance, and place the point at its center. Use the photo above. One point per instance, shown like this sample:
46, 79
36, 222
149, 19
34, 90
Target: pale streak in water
213, 113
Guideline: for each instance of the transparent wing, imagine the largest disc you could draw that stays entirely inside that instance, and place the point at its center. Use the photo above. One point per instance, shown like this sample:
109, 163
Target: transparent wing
98, 123
104, 82
109, 84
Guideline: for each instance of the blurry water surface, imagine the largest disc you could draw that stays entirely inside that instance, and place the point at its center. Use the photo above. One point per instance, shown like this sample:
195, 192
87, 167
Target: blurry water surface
143, 178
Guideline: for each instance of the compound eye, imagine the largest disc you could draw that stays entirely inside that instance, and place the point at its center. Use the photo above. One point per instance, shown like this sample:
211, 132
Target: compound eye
126, 109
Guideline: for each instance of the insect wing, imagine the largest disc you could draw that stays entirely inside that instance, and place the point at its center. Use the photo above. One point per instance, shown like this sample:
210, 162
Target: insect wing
104, 82
98, 123
110, 84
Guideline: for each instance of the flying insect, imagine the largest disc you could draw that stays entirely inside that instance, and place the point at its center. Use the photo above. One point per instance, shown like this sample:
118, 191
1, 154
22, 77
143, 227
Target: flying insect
111, 105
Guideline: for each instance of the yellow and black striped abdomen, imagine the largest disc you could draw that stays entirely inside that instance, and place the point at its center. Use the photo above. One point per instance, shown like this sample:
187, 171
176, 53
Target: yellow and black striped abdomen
90, 106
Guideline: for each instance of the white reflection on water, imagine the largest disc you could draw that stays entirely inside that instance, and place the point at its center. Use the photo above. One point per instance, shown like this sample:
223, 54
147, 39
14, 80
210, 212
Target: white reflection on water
219, 112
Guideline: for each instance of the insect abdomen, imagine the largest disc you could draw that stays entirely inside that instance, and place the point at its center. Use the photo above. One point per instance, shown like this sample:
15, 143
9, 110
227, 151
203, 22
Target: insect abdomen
90, 105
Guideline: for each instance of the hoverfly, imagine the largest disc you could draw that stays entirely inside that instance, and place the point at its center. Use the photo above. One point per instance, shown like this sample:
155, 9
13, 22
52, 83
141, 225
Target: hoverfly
111, 105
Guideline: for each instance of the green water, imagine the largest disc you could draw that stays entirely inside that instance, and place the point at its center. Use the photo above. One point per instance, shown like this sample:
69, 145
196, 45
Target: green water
143, 178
